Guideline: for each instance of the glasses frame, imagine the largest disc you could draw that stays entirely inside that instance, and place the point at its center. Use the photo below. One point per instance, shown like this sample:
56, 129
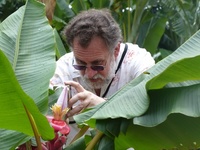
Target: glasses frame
84, 67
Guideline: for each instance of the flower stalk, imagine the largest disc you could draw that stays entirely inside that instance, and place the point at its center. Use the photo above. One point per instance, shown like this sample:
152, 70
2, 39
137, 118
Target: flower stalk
35, 130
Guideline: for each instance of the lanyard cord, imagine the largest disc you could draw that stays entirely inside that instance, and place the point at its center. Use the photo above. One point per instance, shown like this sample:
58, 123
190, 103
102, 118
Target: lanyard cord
120, 62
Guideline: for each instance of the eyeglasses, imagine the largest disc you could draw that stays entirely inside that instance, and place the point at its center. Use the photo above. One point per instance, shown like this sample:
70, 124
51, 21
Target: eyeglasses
93, 67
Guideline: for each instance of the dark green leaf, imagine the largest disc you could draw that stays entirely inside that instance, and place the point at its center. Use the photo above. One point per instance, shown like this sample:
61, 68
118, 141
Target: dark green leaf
177, 132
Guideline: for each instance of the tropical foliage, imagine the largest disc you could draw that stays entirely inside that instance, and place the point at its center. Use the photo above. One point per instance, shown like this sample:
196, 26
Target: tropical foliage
159, 109
27, 41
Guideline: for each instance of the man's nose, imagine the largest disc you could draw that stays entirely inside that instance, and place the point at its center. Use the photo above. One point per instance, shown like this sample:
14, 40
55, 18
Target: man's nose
90, 72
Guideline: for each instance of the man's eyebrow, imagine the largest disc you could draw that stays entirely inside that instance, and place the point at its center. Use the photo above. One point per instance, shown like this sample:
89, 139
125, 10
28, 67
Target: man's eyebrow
80, 61
96, 61
93, 62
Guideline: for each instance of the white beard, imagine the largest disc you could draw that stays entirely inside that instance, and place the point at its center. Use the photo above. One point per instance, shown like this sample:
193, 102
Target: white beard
104, 80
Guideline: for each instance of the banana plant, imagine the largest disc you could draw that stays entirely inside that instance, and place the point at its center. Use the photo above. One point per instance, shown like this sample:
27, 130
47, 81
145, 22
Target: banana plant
182, 22
27, 55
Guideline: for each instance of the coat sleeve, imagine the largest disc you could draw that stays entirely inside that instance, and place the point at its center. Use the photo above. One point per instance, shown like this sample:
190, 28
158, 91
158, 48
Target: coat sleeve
63, 71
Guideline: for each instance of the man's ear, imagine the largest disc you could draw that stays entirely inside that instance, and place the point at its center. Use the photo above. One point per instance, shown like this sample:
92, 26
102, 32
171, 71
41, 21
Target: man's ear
117, 48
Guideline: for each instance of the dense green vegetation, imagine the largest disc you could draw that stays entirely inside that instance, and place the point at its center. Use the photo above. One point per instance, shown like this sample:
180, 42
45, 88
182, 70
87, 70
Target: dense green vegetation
158, 110
159, 26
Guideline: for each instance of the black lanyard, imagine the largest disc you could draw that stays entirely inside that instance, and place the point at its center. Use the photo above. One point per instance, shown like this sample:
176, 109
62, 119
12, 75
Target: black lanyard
120, 62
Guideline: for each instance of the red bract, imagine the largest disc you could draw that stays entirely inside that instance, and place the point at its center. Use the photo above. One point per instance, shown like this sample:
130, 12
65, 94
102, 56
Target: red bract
61, 130
60, 126
59, 142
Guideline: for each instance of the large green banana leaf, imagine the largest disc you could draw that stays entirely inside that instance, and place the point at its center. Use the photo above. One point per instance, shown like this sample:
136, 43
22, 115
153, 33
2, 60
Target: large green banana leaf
28, 42
15, 106
180, 66
154, 100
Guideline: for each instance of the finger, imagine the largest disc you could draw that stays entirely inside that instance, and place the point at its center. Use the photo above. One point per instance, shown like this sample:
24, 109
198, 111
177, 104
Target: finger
78, 97
75, 110
76, 85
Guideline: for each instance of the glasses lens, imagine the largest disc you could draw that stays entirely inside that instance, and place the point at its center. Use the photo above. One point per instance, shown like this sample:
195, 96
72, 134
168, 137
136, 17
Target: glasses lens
78, 67
97, 68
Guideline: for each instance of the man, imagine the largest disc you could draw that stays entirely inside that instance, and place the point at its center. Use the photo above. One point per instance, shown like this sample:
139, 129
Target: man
99, 64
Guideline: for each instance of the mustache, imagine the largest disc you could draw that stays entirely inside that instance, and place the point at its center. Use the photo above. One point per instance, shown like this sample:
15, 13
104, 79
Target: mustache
97, 76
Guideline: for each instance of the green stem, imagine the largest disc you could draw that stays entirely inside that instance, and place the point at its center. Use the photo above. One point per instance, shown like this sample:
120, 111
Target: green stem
94, 141
80, 133
35, 130
28, 145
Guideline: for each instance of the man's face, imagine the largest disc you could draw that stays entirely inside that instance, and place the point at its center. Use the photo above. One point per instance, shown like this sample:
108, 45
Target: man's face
96, 54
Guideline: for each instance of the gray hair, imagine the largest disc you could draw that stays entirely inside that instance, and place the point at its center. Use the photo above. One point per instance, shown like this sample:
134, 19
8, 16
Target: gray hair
92, 23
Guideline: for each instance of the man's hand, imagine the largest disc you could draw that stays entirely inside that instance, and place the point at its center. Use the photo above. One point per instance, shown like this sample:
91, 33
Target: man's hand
86, 99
